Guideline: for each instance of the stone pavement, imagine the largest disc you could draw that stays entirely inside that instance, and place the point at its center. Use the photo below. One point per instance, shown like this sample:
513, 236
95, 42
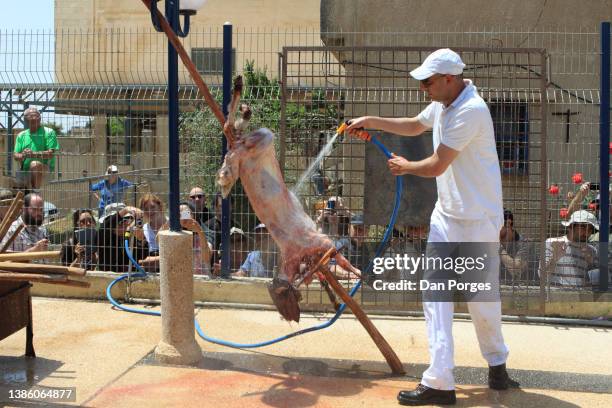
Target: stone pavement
106, 355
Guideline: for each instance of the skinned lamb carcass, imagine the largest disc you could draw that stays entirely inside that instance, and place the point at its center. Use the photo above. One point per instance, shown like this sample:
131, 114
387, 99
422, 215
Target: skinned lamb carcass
252, 159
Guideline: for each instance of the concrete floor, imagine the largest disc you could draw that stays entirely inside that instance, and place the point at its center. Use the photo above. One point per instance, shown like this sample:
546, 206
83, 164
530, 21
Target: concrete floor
106, 355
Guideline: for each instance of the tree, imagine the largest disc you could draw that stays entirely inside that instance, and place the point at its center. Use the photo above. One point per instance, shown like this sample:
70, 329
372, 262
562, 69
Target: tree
58, 127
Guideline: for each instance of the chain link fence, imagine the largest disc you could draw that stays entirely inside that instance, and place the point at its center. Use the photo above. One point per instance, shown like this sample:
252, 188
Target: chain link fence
104, 94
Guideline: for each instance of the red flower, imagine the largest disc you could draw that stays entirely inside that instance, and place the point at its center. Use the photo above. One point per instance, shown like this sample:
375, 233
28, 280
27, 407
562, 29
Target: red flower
563, 213
610, 147
593, 206
553, 189
577, 178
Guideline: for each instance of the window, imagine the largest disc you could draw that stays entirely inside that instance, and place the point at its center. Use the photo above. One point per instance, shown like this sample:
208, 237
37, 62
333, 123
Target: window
511, 124
210, 60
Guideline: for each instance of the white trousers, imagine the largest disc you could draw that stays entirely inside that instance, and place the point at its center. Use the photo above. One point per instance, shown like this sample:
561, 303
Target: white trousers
486, 316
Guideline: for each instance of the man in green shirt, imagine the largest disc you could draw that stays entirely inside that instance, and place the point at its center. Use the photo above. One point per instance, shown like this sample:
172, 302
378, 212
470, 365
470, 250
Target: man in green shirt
35, 149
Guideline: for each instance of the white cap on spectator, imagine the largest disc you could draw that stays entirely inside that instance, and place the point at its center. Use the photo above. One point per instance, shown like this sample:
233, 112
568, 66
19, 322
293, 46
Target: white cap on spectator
111, 209
259, 226
582, 217
236, 230
443, 61
112, 169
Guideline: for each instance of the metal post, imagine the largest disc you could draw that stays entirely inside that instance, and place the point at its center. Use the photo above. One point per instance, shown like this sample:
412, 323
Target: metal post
604, 157
9, 136
172, 16
227, 94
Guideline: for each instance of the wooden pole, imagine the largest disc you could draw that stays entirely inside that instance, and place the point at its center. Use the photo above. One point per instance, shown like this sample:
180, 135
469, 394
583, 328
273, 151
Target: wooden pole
193, 72
382, 344
11, 214
11, 239
41, 268
52, 279
29, 256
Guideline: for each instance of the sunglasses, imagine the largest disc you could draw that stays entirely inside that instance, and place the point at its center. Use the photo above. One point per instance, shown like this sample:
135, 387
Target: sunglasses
86, 221
196, 196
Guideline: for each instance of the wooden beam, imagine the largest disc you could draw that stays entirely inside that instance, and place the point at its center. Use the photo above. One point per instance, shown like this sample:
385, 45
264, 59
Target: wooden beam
382, 344
29, 256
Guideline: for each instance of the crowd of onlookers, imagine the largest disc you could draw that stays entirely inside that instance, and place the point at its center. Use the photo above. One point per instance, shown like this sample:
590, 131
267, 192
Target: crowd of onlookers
97, 239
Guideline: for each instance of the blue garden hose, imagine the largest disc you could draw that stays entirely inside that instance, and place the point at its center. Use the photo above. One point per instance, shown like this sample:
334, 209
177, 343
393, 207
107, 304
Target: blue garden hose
141, 273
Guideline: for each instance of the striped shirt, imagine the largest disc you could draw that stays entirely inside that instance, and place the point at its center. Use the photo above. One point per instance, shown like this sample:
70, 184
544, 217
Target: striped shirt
571, 269
27, 238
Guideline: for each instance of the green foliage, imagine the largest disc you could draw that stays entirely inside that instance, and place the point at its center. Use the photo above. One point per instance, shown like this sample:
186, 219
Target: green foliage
58, 127
116, 126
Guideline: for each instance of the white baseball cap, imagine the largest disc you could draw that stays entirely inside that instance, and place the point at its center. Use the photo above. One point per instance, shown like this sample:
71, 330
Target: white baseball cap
112, 169
582, 217
443, 61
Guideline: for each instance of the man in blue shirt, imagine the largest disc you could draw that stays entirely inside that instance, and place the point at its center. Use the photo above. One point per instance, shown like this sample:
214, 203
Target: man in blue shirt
110, 189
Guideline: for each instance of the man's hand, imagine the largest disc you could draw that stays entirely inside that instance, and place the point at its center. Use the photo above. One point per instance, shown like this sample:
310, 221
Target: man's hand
558, 249
149, 260
587, 253
398, 165
79, 250
191, 225
356, 127
584, 190
41, 245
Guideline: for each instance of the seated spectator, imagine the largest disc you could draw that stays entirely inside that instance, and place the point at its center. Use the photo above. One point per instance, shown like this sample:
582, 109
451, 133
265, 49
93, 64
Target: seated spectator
513, 250
119, 219
239, 245
260, 263
202, 250
154, 217
570, 257
110, 189
33, 236
213, 227
35, 149
74, 252
197, 198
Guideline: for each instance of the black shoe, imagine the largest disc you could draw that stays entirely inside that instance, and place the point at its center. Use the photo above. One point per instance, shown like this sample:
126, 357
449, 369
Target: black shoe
499, 378
424, 395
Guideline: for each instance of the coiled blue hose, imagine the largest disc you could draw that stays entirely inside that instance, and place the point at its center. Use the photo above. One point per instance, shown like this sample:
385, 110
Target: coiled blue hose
341, 309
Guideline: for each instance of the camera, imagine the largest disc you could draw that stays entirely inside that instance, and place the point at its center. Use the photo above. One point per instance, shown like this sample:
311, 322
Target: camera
139, 222
331, 206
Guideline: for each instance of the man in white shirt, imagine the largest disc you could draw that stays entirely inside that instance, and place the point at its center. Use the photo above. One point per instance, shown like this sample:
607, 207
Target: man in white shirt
469, 209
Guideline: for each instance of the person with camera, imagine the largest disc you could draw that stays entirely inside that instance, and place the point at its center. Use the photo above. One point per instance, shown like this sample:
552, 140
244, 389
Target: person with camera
118, 220
80, 248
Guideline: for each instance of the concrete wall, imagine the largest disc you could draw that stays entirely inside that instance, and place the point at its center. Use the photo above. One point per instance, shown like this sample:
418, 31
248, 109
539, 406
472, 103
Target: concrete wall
130, 51
444, 15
